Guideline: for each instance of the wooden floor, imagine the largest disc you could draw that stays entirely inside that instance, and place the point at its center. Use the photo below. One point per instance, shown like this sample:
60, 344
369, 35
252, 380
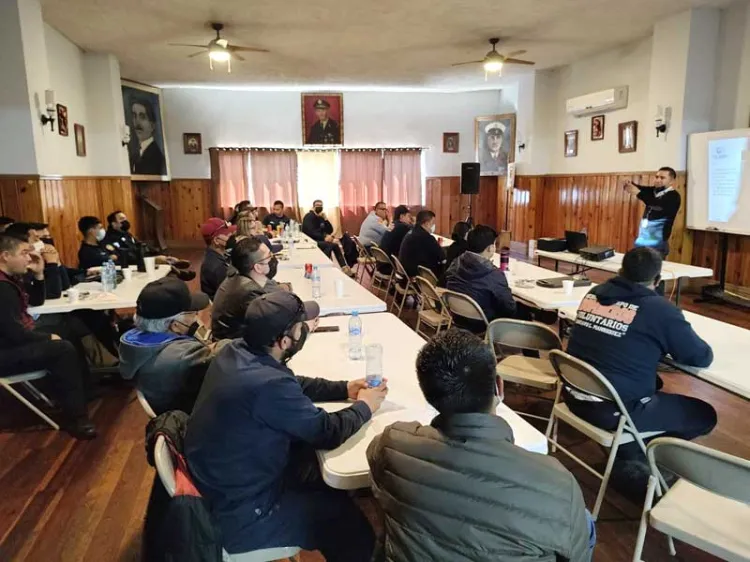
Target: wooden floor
71, 501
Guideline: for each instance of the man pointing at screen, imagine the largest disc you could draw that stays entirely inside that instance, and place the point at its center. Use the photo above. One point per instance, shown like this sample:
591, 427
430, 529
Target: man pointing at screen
662, 205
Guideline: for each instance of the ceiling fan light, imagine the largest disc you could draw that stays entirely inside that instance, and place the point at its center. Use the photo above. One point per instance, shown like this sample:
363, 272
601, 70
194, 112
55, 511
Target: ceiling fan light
219, 55
493, 66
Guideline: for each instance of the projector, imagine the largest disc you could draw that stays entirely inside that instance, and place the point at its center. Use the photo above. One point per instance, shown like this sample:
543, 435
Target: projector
551, 244
597, 253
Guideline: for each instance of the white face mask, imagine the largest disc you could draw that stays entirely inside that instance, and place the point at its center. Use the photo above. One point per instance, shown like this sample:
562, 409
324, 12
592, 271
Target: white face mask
432, 229
38, 246
100, 234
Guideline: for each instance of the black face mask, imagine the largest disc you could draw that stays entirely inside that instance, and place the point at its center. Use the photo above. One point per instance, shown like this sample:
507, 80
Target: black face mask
192, 328
125, 225
49, 241
318, 210
297, 345
273, 266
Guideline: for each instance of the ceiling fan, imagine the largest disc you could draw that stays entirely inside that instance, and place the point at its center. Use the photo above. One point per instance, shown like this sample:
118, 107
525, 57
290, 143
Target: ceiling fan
494, 61
219, 49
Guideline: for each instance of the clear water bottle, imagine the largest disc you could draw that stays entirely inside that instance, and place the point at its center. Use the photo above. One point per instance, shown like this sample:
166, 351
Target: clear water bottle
355, 337
106, 276
316, 282
290, 248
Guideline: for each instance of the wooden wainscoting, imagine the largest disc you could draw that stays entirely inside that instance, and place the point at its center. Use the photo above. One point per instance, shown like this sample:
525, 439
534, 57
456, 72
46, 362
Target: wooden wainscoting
186, 204
443, 197
706, 253
19, 197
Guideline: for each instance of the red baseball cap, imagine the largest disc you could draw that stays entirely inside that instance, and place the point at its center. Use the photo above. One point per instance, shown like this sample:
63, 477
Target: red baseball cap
214, 227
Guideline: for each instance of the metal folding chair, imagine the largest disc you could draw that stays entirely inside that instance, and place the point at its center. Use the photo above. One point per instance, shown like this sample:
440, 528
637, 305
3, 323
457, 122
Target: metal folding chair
432, 309
25, 380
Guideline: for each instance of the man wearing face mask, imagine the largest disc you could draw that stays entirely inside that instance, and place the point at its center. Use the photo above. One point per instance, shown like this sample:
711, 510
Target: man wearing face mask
421, 248
215, 233
250, 276
252, 436
317, 226
92, 253
162, 353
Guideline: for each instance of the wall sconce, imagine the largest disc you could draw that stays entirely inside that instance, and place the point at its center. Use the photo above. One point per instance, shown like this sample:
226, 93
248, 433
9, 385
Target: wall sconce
124, 135
661, 122
49, 101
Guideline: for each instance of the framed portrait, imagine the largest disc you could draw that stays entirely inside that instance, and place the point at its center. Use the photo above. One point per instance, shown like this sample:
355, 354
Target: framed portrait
80, 134
323, 119
597, 127
191, 143
450, 142
495, 143
62, 120
628, 137
571, 144
147, 150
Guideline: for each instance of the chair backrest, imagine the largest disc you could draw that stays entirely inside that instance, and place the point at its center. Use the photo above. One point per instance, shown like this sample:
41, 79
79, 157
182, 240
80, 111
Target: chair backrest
428, 291
583, 377
363, 253
165, 465
380, 256
145, 405
713, 470
464, 306
400, 271
428, 274
521, 334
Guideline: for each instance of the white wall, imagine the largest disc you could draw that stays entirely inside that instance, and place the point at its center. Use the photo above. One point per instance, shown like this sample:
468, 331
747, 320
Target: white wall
732, 98
372, 119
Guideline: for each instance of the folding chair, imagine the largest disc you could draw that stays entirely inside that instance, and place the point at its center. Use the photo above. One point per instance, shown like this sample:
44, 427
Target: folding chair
428, 274
465, 307
432, 309
365, 261
166, 471
381, 282
406, 290
519, 369
145, 405
25, 380
584, 378
707, 507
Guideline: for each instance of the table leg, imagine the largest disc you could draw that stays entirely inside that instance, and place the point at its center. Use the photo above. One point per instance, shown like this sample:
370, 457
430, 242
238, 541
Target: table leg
539, 261
677, 295
557, 265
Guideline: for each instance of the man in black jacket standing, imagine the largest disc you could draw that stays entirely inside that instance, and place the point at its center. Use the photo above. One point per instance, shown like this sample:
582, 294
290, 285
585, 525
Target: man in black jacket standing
421, 248
317, 226
24, 349
252, 436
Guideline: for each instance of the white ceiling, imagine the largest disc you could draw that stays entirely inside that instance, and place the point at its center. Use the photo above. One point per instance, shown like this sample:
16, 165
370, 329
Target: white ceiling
352, 43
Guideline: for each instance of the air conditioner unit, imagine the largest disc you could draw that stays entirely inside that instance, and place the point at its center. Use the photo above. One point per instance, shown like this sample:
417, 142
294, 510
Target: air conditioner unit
606, 100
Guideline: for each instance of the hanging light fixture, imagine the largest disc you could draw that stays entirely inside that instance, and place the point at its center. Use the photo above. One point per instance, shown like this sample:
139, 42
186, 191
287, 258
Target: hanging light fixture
493, 61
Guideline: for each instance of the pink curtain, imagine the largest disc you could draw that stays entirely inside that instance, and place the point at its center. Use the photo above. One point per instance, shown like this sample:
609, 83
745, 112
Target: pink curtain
229, 178
402, 177
360, 186
274, 178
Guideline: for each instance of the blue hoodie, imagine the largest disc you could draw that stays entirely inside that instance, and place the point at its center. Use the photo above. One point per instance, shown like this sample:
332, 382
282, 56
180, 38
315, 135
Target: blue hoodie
623, 329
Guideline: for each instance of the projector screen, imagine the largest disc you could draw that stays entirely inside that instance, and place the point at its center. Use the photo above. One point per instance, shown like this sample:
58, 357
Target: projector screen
718, 191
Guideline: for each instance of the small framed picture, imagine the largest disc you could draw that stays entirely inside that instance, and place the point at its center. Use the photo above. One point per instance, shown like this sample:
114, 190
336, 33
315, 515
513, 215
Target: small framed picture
450, 142
62, 120
80, 134
191, 143
597, 127
628, 137
571, 144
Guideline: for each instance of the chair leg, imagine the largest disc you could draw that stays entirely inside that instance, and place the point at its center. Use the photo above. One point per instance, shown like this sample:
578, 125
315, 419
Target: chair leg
608, 470
641, 537
30, 406
38, 394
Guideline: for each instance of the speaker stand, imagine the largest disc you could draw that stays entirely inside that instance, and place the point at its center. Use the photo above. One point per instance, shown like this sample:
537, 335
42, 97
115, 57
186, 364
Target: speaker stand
469, 218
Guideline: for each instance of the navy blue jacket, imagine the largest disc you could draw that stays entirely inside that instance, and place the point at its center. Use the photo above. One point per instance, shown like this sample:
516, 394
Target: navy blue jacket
623, 329
421, 248
250, 411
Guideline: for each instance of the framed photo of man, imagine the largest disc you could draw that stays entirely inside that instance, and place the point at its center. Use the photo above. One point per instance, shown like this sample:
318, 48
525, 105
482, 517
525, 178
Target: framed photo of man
147, 150
494, 143
323, 119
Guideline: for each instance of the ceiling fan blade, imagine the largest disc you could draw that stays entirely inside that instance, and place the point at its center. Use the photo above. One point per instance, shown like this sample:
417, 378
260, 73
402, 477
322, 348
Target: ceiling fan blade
186, 45
518, 61
247, 49
516, 53
238, 57
197, 54
468, 62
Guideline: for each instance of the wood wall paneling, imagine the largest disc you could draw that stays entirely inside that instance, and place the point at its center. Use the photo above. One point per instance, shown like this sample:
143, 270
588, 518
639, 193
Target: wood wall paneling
443, 197
19, 197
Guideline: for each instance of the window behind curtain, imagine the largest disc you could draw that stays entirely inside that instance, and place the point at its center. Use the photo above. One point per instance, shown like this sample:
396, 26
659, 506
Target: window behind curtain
318, 174
229, 178
360, 186
402, 177
274, 175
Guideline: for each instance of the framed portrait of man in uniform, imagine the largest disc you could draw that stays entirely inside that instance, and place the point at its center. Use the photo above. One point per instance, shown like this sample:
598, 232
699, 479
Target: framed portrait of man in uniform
495, 143
323, 119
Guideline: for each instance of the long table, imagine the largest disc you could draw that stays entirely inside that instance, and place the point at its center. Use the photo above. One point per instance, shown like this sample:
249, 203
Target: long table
670, 271
356, 297
92, 297
729, 343
325, 355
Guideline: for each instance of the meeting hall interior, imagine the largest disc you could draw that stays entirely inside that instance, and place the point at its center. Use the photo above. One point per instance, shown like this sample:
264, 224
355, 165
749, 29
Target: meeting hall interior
374, 281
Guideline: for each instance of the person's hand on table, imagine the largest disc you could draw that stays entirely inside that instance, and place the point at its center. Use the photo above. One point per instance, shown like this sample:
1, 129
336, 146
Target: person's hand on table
54, 337
374, 396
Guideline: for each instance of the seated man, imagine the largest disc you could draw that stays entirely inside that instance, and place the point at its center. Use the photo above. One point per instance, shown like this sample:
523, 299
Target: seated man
119, 239
251, 440
473, 274
277, 217
374, 226
421, 248
460, 489
162, 352
251, 275
623, 330
215, 233
92, 253
317, 226
392, 239
24, 349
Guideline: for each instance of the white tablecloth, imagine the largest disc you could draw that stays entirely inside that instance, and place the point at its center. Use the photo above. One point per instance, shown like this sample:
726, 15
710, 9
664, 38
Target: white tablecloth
124, 296
325, 355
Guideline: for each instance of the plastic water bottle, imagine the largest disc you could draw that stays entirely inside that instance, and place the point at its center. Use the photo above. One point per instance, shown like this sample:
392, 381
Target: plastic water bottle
290, 248
106, 276
316, 282
355, 337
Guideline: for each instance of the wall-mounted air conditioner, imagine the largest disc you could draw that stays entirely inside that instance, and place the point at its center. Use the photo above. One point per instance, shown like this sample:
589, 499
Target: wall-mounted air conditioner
606, 100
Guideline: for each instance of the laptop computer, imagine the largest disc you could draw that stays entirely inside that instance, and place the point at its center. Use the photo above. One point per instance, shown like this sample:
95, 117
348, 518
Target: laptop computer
576, 240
